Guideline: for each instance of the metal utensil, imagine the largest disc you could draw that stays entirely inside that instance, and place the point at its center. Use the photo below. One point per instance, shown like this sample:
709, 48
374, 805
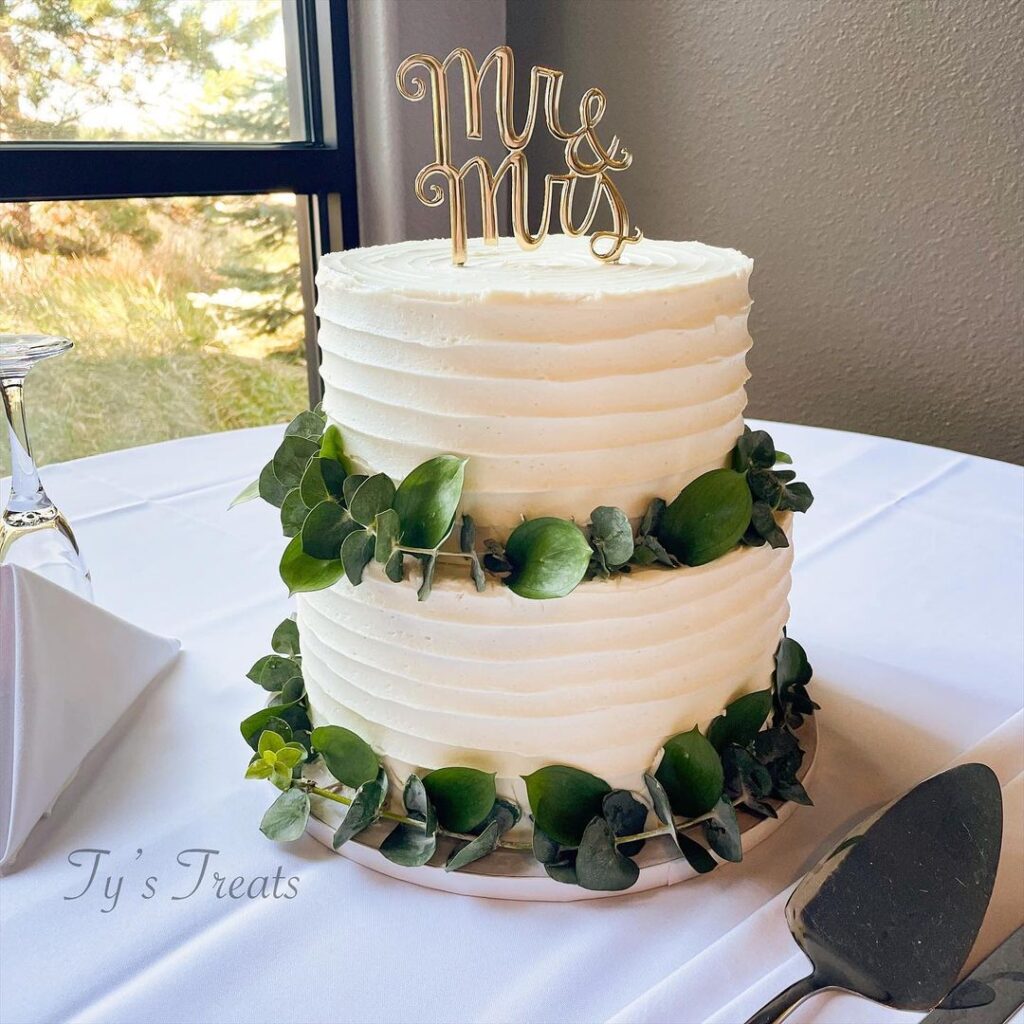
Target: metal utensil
991, 992
893, 911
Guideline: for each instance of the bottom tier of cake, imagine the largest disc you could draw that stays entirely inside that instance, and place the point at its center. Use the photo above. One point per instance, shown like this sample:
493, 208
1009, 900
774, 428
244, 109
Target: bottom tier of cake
597, 680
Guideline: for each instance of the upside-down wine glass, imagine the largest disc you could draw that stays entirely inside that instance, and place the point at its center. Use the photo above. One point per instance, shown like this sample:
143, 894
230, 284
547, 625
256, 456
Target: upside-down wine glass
33, 532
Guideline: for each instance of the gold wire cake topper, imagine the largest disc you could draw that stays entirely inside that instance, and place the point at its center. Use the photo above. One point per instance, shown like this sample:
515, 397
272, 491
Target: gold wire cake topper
586, 157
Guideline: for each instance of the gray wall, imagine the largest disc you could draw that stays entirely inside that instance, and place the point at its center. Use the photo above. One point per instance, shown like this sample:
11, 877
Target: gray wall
395, 136
867, 154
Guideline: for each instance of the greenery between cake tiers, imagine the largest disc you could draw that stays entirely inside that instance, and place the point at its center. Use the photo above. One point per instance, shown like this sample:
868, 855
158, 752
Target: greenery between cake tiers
584, 832
339, 521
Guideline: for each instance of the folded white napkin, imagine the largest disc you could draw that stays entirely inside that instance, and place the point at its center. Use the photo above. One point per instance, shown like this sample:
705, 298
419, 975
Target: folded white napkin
68, 671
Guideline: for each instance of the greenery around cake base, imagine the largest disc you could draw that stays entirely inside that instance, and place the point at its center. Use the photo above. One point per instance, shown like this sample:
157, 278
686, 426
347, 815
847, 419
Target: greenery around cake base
584, 832
338, 521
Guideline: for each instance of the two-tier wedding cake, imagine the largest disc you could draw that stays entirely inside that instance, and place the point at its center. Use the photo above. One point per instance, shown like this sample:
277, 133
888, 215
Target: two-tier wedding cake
567, 385
541, 565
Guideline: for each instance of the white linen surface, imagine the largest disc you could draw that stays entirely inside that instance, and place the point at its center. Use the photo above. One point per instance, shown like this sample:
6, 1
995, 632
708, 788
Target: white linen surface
68, 672
907, 595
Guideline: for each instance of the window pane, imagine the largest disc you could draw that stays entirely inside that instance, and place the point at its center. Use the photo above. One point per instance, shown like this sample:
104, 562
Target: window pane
186, 316
135, 70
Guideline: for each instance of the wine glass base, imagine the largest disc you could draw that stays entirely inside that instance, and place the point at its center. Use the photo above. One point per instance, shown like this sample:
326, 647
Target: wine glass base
20, 352
47, 548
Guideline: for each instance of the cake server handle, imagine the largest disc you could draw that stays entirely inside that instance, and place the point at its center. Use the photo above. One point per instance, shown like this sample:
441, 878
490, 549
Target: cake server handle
789, 999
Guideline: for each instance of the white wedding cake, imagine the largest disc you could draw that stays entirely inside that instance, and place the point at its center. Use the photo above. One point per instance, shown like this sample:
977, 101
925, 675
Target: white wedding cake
567, 384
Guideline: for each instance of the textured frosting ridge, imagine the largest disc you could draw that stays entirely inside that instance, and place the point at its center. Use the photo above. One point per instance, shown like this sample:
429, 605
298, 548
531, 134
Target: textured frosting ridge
566, 383
597, 679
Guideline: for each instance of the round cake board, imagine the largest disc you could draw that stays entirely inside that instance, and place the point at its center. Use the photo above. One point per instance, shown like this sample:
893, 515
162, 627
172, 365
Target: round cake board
514, 875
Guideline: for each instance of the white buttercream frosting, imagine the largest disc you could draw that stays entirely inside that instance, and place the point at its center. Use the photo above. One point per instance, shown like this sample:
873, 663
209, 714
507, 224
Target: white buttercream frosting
597, 679
568, 384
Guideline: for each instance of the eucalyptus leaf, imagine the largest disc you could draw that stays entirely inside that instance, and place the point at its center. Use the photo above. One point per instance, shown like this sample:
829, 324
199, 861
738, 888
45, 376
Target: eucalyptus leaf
796, 497
789, 684
280, 726
271, 489
467, 545
409, 846
308, 424
722, 831
255, 724
290, 459
293, 513
696, 856
691, 773
754, 450
762, 520
352, 484
549, 558
794, 792
325, 529
286, 818
364, 809
479, 847
545, 849
356, 555
563, 800
395, 567
747, 781
272, 671
742, 720
494, 560
659, 800
765, 486
247, 493
600, 865
467, 535
563, 871
627, 816
386, 528
322, 480
504, 812
659, 553
286, 638
708, 518
417, 802
462, 797
752, 538
332, 446
611, 535
781, 755
349, 758
427, 500
303, 573
652, 517
428, 564
375, 494
294, 689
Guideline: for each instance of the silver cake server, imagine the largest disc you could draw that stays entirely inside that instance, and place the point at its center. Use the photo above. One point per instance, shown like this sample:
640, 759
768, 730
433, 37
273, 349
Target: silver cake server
892, 912
991, 993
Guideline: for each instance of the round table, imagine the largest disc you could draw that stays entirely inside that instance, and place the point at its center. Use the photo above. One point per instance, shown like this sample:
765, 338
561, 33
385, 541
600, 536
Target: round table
907, 595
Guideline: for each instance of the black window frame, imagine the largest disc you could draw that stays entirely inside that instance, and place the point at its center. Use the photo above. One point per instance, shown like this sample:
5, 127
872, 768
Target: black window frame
320, 170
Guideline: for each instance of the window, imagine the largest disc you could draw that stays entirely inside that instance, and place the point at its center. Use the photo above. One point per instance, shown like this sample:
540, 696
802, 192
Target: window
169, 175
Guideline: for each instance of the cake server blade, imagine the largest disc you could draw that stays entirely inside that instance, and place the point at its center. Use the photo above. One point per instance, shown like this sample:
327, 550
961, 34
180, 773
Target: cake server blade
892, 912
991, 992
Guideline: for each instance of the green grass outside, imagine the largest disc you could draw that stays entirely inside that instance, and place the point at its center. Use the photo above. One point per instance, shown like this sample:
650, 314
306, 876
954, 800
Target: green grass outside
154, 358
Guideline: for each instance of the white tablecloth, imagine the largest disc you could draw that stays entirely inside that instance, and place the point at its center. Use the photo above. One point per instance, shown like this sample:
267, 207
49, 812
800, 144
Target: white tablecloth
907, 595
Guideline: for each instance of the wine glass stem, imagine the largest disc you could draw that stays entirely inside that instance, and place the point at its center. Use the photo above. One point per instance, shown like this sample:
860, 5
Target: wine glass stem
26, 491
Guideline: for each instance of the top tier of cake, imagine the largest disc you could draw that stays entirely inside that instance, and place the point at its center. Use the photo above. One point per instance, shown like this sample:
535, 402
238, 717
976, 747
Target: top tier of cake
568, 384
